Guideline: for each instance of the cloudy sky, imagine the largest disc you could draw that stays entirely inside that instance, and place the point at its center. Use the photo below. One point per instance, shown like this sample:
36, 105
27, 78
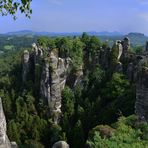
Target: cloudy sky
82, 15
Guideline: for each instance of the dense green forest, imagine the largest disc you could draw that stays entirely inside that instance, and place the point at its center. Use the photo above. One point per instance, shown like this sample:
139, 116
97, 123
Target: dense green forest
96, 113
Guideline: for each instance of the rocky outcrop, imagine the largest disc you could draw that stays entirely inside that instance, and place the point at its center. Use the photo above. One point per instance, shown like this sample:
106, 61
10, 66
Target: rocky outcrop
60, 144
141, 105
4, 141
45, 81
38, 52
146, 49
119, 67
120, 48
130, 72
126, 45
25, 64
53, 81
104, 59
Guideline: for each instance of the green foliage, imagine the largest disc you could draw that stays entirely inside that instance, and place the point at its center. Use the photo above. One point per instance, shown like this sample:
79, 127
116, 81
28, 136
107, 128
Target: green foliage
11, 6
68, 101
77, 53
137, 49
14, 132
65, 46
78, 135
116, 87
98, 99
125, 135
114, 56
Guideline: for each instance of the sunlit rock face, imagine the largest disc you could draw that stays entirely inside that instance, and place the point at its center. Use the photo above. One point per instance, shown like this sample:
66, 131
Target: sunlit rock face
53, 79
37, 52
120, 48
60, 144
4, 141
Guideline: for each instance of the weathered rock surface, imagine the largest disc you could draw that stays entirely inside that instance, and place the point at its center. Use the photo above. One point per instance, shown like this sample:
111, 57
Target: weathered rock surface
60, 144
119, 67
25, 64
120, 48
130, 72
146, 49
126, 45
141, 105
38, 52
4, 141
53, 81
104, 59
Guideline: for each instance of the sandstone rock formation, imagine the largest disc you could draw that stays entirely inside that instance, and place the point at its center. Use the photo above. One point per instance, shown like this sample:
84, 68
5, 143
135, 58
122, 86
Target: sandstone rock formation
38, 52
120, 48
4, 141
53, 81
60, 144
126, 45
146, 49
130, 72
25, 64
104, 59
141, 105
119, 67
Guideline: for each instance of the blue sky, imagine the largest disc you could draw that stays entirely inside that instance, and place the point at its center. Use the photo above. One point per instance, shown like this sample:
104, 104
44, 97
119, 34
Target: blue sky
82, 15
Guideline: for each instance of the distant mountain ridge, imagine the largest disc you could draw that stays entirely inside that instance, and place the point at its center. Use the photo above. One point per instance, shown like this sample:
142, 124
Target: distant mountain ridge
135, 38
44, 33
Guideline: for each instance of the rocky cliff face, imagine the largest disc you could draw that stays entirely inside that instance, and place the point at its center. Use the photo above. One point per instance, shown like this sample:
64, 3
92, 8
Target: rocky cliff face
141, 105
53, 81
56, 72
53, 76
4, 141
25, 64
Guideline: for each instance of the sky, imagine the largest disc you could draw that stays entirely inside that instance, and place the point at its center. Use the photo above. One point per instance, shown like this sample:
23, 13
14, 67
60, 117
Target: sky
82, 16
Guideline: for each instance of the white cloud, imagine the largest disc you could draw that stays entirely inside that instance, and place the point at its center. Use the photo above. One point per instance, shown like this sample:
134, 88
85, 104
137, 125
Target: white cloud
144, 2
144, 16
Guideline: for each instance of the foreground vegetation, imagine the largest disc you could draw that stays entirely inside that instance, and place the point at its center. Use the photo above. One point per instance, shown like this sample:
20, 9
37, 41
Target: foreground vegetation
104, 97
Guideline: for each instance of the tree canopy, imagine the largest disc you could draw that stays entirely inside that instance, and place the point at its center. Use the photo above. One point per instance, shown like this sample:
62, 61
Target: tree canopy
11, 7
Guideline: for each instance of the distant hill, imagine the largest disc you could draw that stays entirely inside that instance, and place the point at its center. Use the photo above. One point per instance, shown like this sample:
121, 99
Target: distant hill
136, 38
44, 33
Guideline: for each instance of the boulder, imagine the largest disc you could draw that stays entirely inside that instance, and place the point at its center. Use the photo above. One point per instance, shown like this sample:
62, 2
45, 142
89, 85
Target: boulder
60, 144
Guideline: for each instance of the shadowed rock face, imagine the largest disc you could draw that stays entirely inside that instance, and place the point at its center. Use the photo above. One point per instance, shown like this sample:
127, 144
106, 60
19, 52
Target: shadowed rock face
104, 59
126, 45
4, 141
146, 46
141, 106
130, 72
25, 64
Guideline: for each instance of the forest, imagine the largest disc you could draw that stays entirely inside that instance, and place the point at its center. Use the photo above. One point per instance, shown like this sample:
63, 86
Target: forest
97, 112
